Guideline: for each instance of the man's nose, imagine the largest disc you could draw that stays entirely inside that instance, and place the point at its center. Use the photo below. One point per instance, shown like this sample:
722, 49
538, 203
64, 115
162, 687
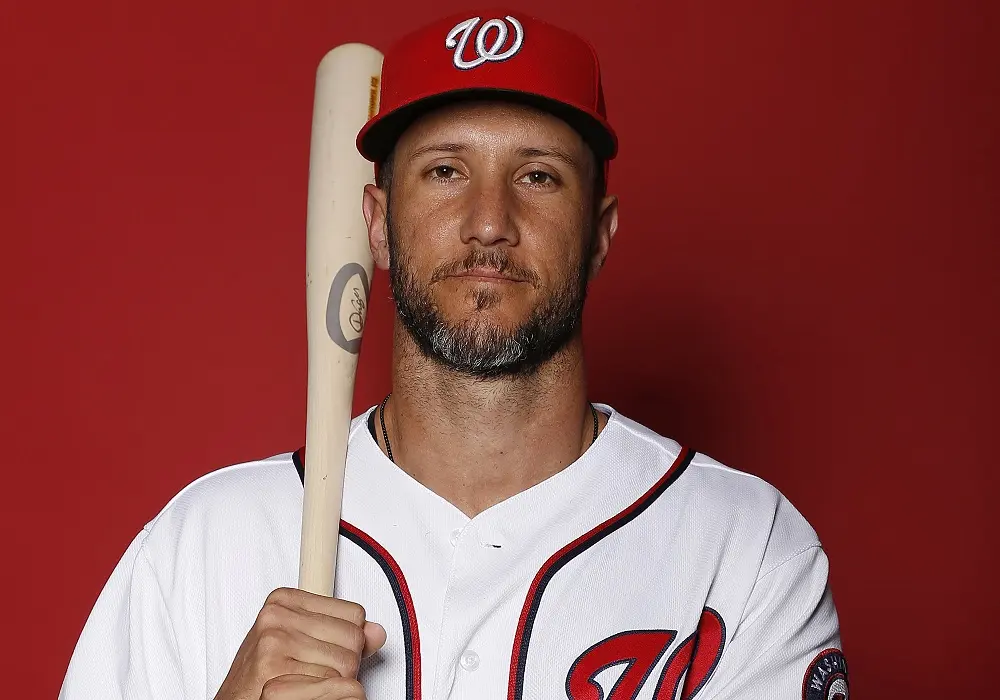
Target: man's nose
489, 217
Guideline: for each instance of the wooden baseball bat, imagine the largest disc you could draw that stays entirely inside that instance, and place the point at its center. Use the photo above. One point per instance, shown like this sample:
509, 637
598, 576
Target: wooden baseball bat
338, 274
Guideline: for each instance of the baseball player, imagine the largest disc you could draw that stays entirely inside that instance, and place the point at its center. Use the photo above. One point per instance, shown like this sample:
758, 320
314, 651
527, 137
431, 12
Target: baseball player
503, 537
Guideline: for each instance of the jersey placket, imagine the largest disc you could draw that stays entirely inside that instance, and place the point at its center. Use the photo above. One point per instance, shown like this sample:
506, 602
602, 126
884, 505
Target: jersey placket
473, 642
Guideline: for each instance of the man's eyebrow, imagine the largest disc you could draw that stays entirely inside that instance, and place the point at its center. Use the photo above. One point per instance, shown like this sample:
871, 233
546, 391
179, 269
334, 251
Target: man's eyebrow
556, 153
438, 148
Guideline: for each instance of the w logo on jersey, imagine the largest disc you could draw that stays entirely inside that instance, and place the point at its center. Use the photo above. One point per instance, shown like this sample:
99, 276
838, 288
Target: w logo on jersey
639, 652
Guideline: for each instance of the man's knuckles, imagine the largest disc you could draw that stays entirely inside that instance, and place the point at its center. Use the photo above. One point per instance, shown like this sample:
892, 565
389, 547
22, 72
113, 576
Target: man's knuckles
273, 642
352, 612
284, 601
287, 597
346, 661
273, 616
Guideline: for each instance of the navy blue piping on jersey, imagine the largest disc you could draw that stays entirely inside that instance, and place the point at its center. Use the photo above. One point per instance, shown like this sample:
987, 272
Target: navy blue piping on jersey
400, 590
519, 655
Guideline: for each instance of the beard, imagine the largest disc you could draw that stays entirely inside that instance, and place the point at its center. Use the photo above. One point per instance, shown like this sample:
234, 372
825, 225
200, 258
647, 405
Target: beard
478, 347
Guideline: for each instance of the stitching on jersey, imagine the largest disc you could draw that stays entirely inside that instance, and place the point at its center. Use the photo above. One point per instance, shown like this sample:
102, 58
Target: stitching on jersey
786, 560
695, 462
729, 470
649, 440
742, 618
809, 613
760, 577
144, 554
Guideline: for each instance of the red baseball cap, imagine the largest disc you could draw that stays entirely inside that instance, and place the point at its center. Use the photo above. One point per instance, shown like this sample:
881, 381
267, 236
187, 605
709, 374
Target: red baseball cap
493, 54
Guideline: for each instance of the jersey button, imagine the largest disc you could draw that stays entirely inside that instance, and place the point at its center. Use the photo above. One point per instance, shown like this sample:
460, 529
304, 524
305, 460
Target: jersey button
455, 535
469, 660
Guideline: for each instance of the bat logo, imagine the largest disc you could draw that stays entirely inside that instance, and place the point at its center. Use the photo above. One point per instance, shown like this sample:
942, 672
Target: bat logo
483, 54
358, 303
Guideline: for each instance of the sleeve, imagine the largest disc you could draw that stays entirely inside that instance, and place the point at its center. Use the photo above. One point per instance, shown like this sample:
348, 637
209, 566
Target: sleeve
786, 644
128, 649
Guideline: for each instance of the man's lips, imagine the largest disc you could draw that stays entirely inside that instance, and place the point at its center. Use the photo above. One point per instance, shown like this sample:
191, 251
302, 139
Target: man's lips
487, 274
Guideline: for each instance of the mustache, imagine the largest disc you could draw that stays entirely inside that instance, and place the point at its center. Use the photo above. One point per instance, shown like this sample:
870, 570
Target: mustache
494, 259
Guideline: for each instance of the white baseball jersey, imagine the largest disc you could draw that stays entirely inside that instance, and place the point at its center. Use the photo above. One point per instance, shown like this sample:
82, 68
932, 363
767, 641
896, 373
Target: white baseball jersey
642, 571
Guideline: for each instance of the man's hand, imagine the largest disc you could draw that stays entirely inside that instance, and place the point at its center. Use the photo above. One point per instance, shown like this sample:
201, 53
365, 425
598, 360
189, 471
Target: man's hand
302, 647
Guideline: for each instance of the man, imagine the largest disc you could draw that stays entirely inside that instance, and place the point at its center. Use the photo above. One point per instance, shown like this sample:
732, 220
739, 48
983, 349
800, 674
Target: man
503, 537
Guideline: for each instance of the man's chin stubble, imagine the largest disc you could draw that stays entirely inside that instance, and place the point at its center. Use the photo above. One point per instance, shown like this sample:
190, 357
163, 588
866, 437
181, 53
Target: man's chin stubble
487, 352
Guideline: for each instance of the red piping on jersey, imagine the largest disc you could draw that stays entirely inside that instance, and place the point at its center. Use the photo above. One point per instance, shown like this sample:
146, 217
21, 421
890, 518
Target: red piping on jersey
519, 654
400, 590
411, 638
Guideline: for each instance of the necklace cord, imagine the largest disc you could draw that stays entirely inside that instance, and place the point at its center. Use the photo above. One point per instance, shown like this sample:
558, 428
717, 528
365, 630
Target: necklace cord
385, 434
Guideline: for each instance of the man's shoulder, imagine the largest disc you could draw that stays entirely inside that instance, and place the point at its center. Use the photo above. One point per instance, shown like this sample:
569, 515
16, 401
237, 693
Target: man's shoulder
239, 495
229, 502
710, 478
739, 502
270, 483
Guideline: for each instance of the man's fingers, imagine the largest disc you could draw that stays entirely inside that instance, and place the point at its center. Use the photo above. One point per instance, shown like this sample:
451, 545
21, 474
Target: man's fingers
309, 650
332, 607
303, 687
291, 626
315, 671
328, 629
375, 637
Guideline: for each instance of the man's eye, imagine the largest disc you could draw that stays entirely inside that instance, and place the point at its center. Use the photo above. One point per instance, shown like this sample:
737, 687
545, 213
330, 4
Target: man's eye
443, 172
538, 177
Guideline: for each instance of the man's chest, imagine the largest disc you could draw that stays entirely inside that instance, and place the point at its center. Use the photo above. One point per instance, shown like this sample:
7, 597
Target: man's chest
585, 586
473, 615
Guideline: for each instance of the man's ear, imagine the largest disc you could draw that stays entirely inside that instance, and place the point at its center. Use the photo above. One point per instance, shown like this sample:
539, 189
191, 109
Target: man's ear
375, 205
606, 227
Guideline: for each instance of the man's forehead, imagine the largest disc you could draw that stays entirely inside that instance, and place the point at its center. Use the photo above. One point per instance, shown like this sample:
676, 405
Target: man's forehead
470, 126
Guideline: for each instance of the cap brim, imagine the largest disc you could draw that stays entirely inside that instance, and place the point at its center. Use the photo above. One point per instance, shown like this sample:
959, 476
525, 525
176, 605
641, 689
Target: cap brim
377, 139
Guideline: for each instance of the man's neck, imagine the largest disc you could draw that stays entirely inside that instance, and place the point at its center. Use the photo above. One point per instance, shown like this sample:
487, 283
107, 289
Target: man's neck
477, 442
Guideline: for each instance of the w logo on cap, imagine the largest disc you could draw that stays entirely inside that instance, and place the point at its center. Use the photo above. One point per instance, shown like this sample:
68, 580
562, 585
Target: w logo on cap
458, 38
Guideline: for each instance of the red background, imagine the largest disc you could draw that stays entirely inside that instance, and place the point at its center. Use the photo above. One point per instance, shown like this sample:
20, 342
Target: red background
804, 284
